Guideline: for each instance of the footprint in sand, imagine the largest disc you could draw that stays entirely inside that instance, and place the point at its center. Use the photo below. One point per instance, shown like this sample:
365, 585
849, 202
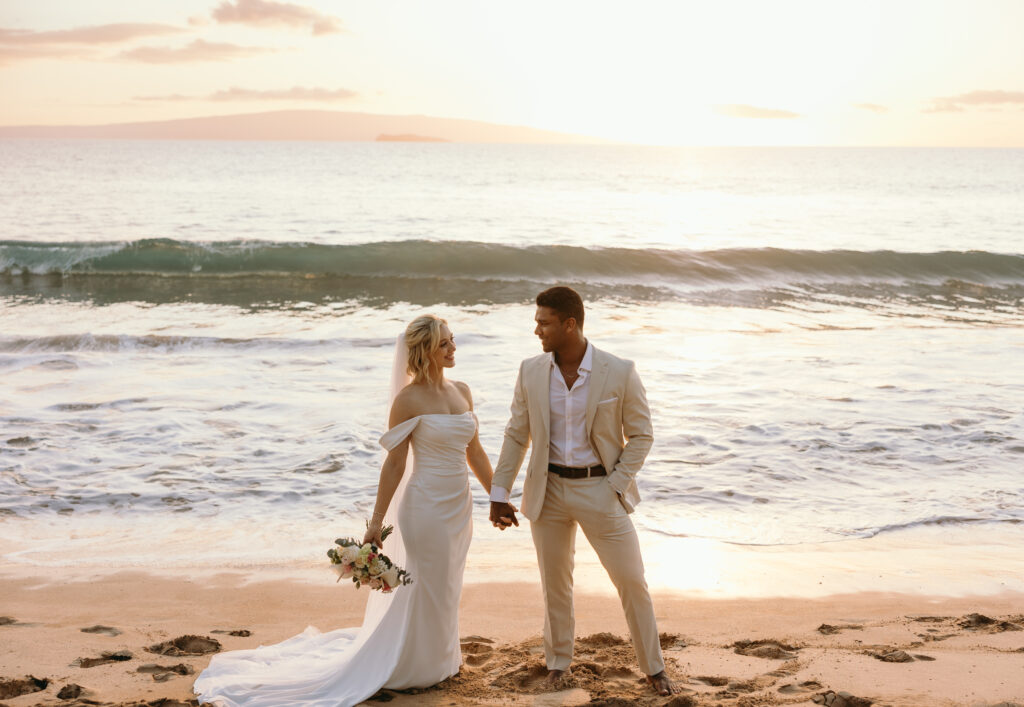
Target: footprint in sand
933, 635
476, 639
830, 630
619, 672
105, 657
105, 630
682, 701
677, 701
71, 691
806, 686
476, 653
25, 686
163, 673
671, 641
186, 645
774, 650
832, 698
600, 640
711, 680
524, 677
898, 656
980, 622
790, 667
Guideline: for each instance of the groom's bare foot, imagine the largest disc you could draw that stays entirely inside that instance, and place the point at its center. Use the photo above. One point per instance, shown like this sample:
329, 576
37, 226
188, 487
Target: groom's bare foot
554, 676
661, 684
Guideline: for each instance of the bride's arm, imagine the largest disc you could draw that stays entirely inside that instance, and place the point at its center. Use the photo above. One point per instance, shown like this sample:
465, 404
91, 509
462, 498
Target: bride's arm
476, 457
391, 472
479, 463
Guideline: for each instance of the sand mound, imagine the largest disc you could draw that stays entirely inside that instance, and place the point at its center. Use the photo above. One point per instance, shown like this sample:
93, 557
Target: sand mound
105, 657
186, 645
771, 649
24, 686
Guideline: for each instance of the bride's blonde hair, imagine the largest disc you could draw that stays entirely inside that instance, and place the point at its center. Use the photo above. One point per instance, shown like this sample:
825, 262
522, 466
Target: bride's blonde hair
422, 338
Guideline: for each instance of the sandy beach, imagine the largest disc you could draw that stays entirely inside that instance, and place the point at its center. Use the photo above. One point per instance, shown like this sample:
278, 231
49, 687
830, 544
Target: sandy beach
123, 639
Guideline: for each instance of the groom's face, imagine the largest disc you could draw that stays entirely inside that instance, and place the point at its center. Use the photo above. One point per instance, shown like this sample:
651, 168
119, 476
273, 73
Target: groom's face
551, 330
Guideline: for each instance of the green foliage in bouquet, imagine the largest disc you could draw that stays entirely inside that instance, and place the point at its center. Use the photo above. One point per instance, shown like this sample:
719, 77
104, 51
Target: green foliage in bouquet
366, 565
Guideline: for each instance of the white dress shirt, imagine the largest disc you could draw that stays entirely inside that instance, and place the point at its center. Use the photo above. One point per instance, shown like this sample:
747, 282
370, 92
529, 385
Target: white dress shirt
569, 445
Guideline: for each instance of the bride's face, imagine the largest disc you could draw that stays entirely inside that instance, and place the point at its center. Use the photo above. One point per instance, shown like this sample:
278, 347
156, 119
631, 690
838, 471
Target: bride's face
444, 355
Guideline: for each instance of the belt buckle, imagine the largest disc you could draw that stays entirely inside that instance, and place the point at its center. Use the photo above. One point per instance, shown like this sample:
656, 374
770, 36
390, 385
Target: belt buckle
588, 471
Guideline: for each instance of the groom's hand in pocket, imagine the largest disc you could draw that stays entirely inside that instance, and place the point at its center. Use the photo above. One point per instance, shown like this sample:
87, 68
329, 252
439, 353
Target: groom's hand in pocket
503, 515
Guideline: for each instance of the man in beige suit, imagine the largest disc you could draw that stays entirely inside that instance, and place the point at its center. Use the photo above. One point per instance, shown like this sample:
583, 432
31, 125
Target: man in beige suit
577, 404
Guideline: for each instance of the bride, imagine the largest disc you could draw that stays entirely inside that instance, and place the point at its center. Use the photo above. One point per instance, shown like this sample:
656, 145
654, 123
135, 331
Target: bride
409, 638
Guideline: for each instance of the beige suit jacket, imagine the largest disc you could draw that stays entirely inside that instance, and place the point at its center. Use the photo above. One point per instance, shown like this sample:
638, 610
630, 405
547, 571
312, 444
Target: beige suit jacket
618, 427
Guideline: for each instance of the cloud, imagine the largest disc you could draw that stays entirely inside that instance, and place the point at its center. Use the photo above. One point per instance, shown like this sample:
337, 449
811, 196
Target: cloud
25, 45
168, 98
267, 12
873, 107
98, 34
199, 50
738, 110
13, 55
953, 104
295, 93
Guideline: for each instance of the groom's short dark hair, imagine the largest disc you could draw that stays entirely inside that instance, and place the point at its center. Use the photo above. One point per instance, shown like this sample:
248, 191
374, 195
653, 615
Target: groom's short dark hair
564, 301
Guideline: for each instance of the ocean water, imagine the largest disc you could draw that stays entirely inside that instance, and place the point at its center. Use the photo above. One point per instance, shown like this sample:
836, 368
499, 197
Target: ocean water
196, 339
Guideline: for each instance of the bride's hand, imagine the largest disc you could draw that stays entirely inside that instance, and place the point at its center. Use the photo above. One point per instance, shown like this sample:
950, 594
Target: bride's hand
372, 535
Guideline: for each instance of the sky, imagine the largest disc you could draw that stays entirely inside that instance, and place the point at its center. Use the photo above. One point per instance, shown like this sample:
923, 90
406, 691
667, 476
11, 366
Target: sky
666, 72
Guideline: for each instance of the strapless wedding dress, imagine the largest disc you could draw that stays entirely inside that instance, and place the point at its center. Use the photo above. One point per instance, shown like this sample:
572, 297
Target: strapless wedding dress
409, 638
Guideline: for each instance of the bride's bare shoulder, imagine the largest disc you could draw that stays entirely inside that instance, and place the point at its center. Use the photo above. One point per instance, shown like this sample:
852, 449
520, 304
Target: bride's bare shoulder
464, 391
405, 405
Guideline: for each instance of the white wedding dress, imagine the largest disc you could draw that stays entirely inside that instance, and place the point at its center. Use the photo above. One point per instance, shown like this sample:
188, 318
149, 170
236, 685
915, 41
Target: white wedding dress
409, 638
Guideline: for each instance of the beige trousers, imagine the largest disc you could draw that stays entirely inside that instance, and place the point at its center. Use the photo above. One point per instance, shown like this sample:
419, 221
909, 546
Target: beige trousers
593, 505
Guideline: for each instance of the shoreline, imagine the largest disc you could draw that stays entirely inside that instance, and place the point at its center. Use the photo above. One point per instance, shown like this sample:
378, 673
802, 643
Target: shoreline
953, 659
947, 560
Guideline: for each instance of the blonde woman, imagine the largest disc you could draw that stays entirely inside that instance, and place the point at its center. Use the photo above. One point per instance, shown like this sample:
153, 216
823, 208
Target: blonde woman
409, 638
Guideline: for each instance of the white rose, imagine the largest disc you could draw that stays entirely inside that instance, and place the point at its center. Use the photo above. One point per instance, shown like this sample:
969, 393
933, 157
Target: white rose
377, 567
390, 577
349, 554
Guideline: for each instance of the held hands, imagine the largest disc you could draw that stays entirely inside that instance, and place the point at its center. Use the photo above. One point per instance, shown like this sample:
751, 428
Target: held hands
503, 515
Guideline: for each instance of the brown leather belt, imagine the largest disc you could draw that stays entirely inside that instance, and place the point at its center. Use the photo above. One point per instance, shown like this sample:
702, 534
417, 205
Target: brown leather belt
576, 472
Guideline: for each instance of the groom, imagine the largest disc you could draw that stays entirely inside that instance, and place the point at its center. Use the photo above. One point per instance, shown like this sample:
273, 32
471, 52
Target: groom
576, 403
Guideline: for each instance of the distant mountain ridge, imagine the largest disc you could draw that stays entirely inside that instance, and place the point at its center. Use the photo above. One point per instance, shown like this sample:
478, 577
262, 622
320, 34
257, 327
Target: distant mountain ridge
305, 125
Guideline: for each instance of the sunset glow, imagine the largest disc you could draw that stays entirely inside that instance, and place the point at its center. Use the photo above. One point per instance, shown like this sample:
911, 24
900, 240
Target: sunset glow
727, 73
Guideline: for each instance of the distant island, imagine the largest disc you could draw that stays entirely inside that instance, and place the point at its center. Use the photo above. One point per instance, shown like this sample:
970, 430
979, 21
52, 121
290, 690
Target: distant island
308, 125
409, 138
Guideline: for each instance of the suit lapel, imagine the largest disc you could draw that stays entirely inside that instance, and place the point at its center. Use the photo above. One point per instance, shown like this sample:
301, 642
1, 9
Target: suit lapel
540, 389
598, 376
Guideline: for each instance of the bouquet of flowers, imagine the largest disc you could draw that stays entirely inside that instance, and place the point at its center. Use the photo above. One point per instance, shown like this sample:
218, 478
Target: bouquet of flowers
366, 564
